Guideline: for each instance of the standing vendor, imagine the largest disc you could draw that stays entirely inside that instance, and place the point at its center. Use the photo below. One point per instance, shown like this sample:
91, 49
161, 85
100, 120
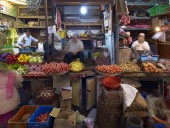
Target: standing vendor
74, 49
26, 39
140, 46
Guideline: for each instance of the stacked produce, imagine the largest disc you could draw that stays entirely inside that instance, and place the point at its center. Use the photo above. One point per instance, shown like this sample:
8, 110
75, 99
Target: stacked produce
23, 58
42, 117
129, 66
76, 66
111, 69
11, 59
35, 59
149, 67
22, 70
53, 67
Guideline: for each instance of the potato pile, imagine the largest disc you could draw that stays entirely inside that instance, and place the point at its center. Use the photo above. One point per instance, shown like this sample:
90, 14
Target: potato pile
129, 66
149, 67
111, 69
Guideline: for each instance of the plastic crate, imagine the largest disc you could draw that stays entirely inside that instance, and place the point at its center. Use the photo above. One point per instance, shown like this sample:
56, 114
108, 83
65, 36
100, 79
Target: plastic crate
41, 110
162, 8
158, 9
153, 11
15, 122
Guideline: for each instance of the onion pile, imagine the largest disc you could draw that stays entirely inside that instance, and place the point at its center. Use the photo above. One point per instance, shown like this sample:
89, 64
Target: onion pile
53, 67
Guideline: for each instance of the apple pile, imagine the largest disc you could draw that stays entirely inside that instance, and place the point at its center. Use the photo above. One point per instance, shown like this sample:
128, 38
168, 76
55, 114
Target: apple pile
35, 59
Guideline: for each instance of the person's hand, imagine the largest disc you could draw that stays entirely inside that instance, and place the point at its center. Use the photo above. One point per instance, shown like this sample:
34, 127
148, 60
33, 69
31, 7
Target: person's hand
74, 53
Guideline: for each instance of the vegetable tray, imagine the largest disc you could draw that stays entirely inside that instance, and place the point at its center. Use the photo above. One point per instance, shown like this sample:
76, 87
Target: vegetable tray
16, 122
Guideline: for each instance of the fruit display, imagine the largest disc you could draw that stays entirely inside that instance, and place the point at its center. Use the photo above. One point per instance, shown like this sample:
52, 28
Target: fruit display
76, 66
35, 59
42, 117
129, 66
111, 69
23, 58
149, 67
13, 66
6, 50
11, 59
53, 68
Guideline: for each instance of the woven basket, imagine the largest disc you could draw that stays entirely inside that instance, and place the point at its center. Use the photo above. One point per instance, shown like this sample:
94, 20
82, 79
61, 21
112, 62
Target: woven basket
107, 119
112, 98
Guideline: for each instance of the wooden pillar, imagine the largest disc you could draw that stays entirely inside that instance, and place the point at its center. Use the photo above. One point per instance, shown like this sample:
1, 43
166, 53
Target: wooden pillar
53, 23
46, 23
116, 32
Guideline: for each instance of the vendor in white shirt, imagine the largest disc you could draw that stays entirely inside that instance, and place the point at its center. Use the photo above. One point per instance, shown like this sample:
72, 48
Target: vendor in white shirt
140, 46
26, 39
74, 49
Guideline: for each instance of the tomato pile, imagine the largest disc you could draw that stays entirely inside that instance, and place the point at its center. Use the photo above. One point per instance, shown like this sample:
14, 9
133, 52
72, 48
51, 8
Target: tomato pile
11, 59
42, 117
54, 67
111, 69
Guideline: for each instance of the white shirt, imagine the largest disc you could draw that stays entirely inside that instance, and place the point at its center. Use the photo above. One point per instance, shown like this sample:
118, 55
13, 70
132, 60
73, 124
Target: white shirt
141, 46
72, 46
28, 40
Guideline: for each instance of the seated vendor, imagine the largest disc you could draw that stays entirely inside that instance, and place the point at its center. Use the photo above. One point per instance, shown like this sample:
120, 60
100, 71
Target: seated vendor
156, 109
74, 49
140, 46
26, 39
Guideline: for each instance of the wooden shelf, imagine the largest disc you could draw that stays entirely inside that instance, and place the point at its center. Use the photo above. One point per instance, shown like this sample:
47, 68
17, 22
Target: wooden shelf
35, 27
33, 17
141, 29
83, 24
142, 3
139, 18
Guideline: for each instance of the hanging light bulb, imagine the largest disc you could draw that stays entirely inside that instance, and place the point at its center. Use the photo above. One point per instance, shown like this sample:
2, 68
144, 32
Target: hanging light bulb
157, 29
83, 10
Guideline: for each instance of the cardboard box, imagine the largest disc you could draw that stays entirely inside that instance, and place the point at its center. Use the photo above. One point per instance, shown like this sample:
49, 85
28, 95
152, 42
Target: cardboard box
65, 104
64, 118
66, 93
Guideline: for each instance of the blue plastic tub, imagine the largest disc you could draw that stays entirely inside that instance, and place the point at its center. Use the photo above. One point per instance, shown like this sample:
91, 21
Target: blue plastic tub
159, 126
153, 57
41, 110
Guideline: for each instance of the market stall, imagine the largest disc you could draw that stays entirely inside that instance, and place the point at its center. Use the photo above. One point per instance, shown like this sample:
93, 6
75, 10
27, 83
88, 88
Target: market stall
102, 80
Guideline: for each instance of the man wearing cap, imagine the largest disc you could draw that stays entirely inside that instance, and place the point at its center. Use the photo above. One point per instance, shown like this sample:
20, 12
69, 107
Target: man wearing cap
74, 49
140, 45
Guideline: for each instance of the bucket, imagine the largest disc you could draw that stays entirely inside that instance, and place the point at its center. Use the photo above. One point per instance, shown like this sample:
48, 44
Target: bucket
159, 126
134, 122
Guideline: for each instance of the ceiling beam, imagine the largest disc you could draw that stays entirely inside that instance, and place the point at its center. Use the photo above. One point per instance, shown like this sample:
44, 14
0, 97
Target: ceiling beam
78, 2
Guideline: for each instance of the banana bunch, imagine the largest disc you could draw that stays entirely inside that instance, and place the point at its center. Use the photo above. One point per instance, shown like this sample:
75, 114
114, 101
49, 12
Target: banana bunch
76, 66
129, 66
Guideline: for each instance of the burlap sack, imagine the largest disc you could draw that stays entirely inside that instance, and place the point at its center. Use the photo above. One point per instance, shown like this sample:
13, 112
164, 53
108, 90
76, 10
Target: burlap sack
138, 104
107, 118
